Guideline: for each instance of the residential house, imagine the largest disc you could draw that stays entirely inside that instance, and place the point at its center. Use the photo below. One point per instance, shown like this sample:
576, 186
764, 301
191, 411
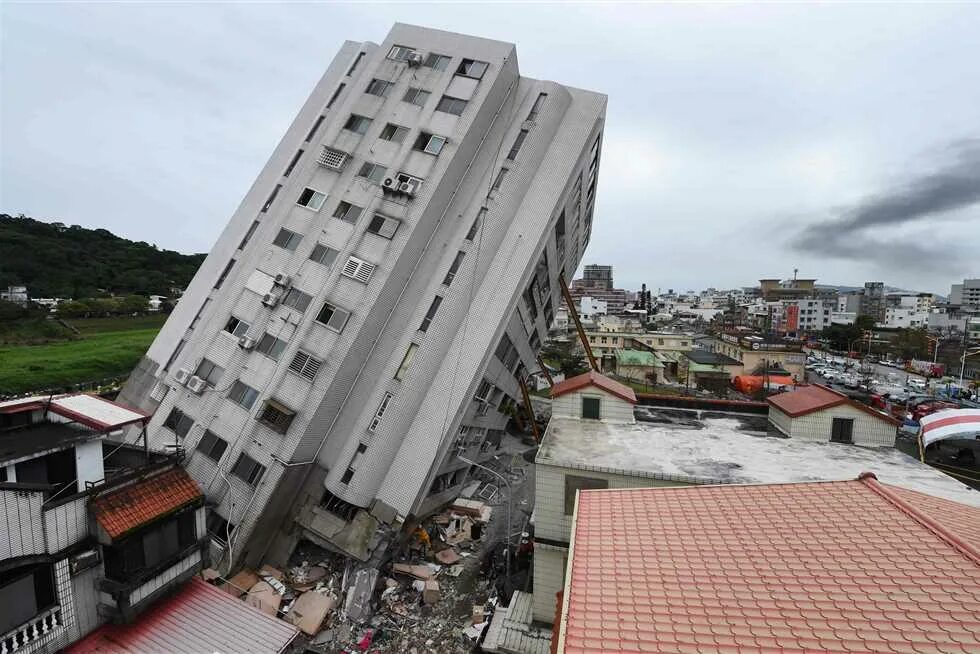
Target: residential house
819, 413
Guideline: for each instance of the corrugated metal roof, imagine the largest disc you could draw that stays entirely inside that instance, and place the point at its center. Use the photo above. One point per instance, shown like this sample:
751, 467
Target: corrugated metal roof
199, 618
95, 412
826, 566
510, 631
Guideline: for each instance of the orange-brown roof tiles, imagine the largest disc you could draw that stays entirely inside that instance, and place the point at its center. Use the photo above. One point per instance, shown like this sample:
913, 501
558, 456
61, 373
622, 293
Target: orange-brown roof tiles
829, 566
592, 378
122, 510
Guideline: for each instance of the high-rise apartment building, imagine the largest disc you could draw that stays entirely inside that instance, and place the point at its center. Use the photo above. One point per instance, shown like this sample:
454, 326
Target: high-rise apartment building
966, 295
872, 301
362, 322
598, 276
597, 283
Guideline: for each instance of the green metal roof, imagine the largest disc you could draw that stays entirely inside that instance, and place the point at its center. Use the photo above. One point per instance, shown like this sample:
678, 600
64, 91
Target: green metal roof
635, 358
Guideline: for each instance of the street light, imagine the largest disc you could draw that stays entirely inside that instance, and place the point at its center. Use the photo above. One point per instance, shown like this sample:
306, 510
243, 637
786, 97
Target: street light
510, 501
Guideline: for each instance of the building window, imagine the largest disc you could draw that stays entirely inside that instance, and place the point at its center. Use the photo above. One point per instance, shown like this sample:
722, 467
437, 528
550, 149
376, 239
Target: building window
406, 361
453, 269
270, 346
178, 422
480, 216
393, 132
414, 183
451, 105
357, 124
376, 420
305, 365
431, 313
472, 68
150, 547
499, 179
437, 61
518, 142
353, 66
348, 475
311, 199
358, 269
536, 107
429, 143
272, 198
591, 408
842, 430
316, 125
297, 299
209, 371
276, 416
212, 446
287, 239
333, 317
323, 254
333, 98
224, 274
379, 87
217, 527
574, 484
236, 327
248, 234
372, 171
242, 394
416, 96
347, 212
248, 469
400, 53
175, 354
292, 164
383, 226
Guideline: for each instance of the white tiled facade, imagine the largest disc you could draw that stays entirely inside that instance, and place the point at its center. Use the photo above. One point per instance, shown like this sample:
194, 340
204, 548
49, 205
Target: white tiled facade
816, 426
611, 407
516, 232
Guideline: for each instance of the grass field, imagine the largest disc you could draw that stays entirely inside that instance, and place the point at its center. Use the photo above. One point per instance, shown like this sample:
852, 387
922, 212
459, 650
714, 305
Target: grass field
105, 347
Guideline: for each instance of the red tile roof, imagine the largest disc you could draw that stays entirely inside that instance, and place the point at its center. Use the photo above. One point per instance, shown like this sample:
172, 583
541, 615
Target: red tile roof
820, 567
198, 618
121, 510
816, 397
592, 378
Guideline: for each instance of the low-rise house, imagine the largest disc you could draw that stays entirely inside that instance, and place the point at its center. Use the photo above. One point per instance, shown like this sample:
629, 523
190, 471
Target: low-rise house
637, 365
709, 370
818, 413
842, 566
756, 352
631, 446
93, 531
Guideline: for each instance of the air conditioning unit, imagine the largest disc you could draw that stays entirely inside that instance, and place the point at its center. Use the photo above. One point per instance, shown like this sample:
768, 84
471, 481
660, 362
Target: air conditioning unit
196, 384
182, 375
246, 342
389, 184
414, 59
282, 279
270, 299
407, 188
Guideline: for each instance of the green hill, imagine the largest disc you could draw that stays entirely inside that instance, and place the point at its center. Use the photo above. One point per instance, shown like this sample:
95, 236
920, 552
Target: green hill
58, 260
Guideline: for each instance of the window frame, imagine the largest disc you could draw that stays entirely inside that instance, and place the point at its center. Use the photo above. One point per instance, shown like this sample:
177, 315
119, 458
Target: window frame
210, 373
287, 239
374, 167
242, 394
383, 91
464, 68
447, 105
312, 202
255, 473
280, 426
207, 448
419, 96
334, 310
430, 314
275, 348
394, 133
386, 228
424, 141
304, 298
238, 323
406, 363
348, 209
437, 61
358, 124
328, 255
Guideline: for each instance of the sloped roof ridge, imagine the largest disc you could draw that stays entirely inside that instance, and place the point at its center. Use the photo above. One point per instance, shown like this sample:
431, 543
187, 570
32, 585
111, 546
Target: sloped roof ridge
871, 481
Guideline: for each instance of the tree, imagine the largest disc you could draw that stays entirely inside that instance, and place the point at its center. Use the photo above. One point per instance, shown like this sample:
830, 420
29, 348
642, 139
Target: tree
134, 304
566, 356
911, 343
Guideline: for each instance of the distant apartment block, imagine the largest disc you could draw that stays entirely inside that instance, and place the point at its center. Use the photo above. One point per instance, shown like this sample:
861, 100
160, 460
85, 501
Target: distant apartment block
597, 283
872, 301
966, 295
367, 313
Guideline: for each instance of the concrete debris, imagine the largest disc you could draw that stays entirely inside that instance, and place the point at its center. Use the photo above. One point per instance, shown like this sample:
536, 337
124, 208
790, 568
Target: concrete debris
472, 508
310, 610
241, 583
209, 574
358, 606
269, 571
417, 571
264, 597
447, 556
475, 631
430, 595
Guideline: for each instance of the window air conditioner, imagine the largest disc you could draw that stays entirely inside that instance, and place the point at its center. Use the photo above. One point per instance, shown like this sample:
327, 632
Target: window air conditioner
414, 59
282, 279
270, 299
246, 342
182, 375
196, 384
407, 188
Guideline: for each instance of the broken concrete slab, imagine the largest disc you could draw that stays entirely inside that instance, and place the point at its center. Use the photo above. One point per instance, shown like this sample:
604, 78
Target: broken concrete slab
310, 610
472, 508
418, 571
358, 606
210, 574
431, 593
241, 583
264, 597
268, 570
447, 556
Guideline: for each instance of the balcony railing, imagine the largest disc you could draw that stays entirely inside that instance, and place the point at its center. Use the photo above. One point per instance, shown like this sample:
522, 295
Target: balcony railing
33, 633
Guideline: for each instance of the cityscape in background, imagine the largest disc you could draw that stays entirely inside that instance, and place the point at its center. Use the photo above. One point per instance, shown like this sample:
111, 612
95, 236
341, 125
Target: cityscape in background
383, 414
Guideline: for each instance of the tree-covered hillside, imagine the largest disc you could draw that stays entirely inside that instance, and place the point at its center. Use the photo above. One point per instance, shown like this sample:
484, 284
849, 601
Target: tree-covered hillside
58, 260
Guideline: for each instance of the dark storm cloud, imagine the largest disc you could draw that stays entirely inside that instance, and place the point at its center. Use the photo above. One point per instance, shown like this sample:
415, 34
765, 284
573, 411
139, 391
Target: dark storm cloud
862, 231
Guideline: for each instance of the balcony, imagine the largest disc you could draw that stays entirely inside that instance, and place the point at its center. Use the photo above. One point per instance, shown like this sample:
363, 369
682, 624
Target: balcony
22, 503
34, 633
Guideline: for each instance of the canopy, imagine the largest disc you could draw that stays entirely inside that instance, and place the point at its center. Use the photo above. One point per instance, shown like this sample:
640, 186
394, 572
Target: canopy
951, 423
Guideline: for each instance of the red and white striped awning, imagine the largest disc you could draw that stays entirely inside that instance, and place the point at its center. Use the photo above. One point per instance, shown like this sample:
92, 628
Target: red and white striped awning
951, 423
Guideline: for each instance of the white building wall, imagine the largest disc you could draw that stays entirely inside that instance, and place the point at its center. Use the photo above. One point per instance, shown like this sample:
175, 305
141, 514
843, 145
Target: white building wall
780, 421
88, 463
21, 526
611, 408
66, 524
868, 430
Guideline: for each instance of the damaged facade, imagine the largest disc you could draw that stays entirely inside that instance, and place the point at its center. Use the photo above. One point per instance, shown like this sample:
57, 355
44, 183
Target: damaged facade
369, 310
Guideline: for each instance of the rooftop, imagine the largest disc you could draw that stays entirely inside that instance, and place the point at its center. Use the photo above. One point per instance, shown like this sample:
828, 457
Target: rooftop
815, 397
34, 440
91, 411
706, 447
198, 618
635, 358
711, 358
825, 567
126, 508
592, 378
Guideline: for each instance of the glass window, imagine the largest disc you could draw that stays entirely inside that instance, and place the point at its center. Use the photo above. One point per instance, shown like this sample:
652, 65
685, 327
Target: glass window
212, 446
297, 299
236, 327
333, 317
248, 234
224, 274
451, 105
271, 198
470, 235
353, 66
393, 132
499, 179
311, 199
379, 87
276, 416
518, 142
537, 106
429, 143
372, 171
348, 212
323, 254
416, 96
178, 422
287, 239
453, 269
242, 394
400, 53
380, 412
406, 361
333, 98
292, 163
358, 124
270, 346
437, 61
431, 313
209, 371
383, 226
248, 469
472, 68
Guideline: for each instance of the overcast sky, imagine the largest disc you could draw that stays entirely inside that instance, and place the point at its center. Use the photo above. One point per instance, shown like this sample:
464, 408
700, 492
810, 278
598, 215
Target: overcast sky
741, 141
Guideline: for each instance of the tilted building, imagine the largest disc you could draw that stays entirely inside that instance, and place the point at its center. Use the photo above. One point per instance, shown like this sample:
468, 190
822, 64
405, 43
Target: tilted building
364, 318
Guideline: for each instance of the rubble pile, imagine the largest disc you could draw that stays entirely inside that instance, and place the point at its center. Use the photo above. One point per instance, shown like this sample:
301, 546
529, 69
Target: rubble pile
436, 596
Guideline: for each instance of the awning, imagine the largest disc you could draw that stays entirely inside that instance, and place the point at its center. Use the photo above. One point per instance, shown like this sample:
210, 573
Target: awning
95, 412
951, 423
198, 618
